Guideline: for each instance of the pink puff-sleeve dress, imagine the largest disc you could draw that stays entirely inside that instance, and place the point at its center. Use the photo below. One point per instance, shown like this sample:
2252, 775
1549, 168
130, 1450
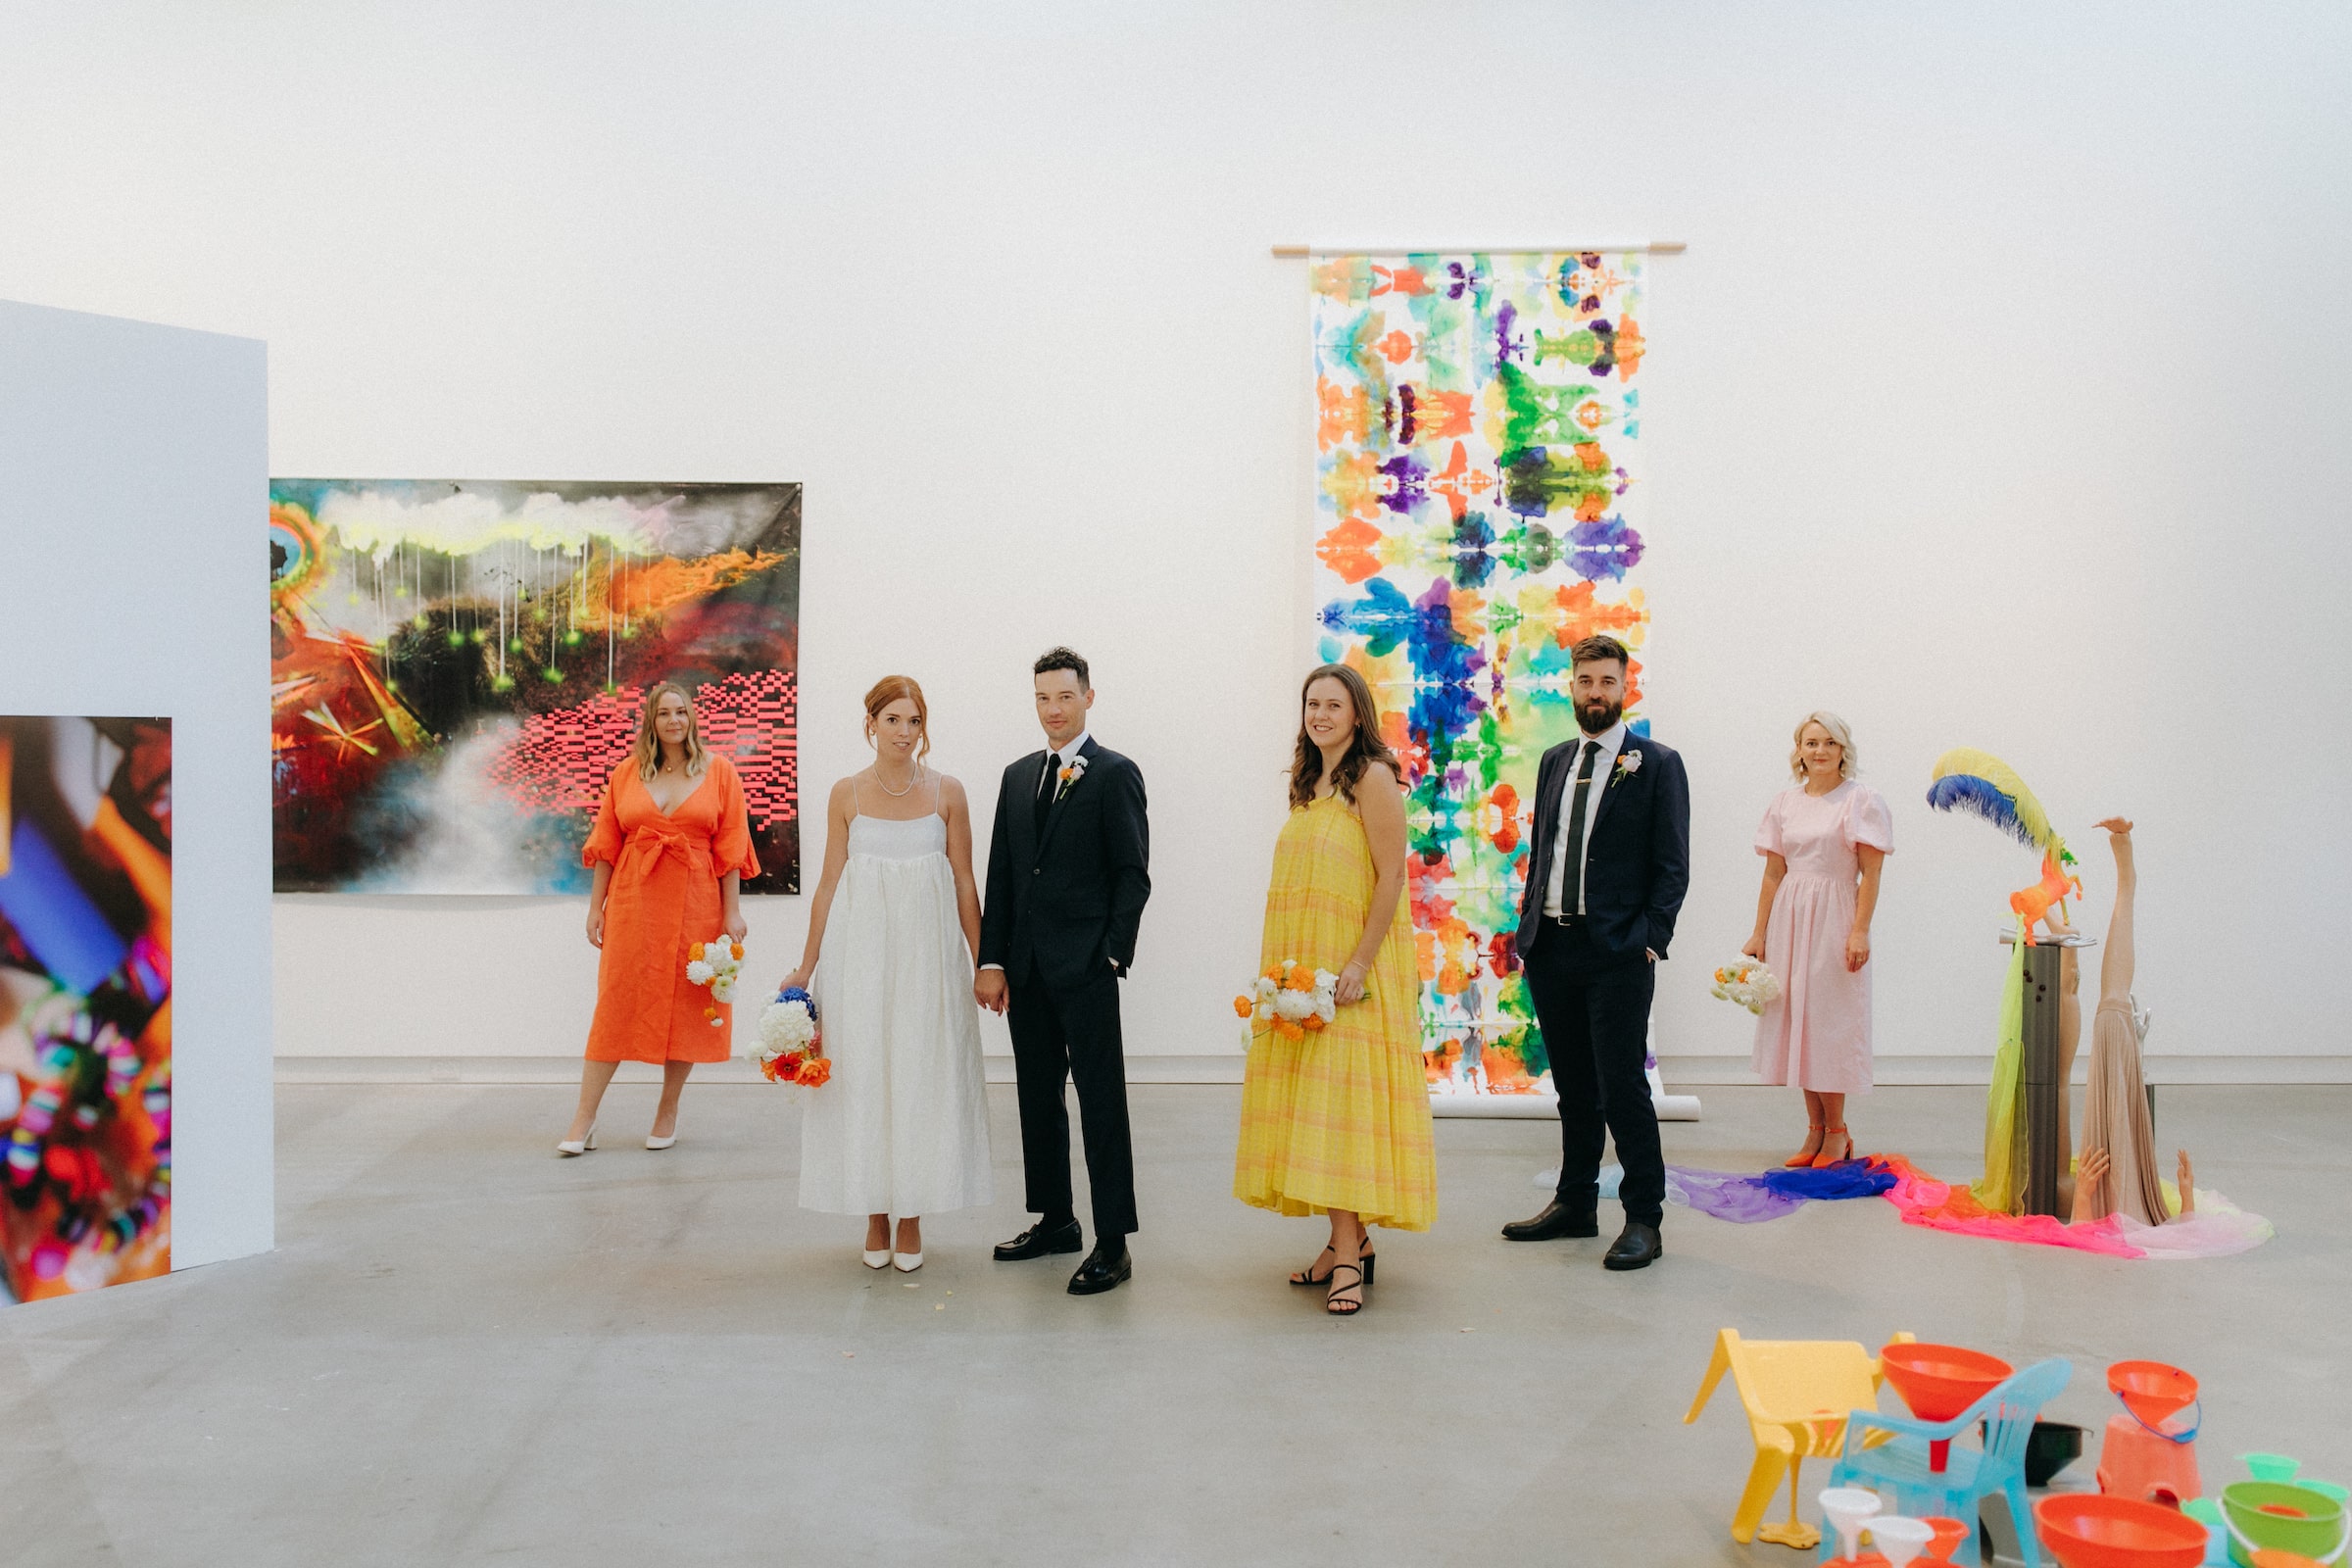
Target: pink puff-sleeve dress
1816, 1034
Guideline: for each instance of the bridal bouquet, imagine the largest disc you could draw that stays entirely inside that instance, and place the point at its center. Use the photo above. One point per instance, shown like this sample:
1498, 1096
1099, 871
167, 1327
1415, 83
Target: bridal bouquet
1747, 982
715, 964
790, 1046
1291, 998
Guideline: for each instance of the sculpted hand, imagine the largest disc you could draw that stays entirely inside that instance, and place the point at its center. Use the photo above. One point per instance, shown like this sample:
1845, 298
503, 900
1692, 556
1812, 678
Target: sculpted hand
2119, 827
988, 989
1351, 984
2187, 1182
596, 927
1858, 950
2089, 1176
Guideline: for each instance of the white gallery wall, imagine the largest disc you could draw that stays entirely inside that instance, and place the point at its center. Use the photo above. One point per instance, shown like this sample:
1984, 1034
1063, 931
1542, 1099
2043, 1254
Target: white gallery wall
1997, 400
128, 454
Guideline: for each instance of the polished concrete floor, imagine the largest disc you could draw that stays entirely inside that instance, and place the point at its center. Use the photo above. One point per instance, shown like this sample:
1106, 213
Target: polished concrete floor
465, 1350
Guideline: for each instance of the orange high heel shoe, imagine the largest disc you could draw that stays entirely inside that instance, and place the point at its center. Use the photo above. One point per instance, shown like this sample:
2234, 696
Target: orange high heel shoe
1823, 1161
1799, 1162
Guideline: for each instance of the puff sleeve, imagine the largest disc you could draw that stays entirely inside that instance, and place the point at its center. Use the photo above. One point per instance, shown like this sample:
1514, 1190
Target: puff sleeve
604, 839
1768, 832
731, 839
1867, 821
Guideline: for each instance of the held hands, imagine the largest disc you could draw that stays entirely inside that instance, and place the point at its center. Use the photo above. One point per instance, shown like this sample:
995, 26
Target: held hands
1351, 984
1858, 950
988, 989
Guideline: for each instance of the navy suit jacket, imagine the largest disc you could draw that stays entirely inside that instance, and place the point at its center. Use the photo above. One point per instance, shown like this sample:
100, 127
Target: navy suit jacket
1070, 898
1637, 852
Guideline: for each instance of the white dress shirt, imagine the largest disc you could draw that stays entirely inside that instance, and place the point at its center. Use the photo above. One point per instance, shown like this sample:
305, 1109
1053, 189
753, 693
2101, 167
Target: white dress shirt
1056, 761
1561, 897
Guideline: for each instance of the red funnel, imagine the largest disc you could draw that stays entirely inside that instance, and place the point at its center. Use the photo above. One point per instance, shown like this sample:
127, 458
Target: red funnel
2151, 1391
2085, 1530
1939, 1381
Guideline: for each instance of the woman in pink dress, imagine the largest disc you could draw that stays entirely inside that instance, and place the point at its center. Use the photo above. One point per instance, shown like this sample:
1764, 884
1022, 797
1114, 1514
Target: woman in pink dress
1822, 843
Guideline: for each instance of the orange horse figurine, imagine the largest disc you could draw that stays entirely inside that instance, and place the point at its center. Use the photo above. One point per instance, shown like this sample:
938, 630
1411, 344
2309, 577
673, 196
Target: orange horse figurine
2033, 902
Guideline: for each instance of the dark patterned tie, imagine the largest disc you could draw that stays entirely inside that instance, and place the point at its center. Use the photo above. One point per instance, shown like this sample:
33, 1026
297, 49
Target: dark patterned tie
1045, 791
1572, 877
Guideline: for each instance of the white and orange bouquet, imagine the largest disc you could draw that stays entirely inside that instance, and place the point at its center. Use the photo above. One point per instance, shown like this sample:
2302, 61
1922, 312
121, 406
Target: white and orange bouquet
1291, 999
715, 964
1746, 982
791, 1048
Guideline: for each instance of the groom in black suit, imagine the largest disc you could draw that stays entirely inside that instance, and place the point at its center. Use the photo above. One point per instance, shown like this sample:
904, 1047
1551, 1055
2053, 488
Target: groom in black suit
1609, 859
1067, 876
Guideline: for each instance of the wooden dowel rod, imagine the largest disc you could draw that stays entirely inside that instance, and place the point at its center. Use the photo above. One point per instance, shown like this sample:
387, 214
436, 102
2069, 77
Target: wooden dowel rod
1655, 247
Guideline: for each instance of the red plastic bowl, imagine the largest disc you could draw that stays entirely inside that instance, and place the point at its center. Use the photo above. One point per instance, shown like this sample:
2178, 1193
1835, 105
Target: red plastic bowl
2085, 1530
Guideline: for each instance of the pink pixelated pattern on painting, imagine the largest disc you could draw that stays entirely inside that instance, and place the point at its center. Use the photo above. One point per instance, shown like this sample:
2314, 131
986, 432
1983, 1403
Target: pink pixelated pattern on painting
560, 759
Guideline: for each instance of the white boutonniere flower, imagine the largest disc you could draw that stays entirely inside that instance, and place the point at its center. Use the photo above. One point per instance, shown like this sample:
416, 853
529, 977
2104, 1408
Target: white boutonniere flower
1070, 774
1627, 764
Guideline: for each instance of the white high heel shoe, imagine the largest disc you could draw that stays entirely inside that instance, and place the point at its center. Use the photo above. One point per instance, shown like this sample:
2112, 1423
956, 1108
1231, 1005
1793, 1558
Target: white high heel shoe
907, 1262
571, 1146
875, 1259
651, 1142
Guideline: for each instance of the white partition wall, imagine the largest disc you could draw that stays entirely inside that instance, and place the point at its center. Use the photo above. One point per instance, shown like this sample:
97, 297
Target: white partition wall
133, 462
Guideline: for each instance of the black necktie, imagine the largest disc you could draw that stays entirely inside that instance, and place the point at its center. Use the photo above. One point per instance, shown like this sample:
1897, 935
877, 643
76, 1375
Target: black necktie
1572, 874
1045, 791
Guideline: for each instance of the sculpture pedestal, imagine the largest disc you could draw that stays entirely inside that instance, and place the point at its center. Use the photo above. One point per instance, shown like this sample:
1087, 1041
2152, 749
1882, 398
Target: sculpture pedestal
2040, 1074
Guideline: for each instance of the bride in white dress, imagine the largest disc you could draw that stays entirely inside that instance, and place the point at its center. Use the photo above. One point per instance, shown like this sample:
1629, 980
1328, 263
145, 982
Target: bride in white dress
902, 1127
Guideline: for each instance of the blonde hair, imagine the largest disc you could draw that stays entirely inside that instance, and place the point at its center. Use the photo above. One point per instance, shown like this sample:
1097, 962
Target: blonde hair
890, 689
648, 744
1849, 765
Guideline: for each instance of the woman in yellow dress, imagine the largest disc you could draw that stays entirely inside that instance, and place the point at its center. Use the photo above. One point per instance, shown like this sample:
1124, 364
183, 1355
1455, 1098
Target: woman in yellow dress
1336, 1120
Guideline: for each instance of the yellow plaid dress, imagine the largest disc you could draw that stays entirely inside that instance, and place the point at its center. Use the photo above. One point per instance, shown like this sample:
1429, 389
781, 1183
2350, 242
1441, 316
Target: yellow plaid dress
1339, 1119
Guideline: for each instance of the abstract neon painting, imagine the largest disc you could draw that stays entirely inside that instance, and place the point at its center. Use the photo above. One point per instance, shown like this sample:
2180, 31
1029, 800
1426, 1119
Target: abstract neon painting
1478, 506
85, 993
457, 665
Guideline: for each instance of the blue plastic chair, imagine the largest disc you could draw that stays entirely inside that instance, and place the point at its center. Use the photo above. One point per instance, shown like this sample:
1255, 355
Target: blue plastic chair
1897, 1469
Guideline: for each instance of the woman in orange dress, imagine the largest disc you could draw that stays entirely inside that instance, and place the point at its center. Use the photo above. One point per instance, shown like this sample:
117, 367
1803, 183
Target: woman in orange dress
671, 848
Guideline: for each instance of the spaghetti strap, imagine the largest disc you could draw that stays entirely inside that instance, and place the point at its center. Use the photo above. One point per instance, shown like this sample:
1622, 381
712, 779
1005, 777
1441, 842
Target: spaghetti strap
935, 795
857, 800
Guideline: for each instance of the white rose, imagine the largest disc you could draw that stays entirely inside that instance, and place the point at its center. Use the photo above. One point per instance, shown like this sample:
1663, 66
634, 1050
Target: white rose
1294, 1005
698, 972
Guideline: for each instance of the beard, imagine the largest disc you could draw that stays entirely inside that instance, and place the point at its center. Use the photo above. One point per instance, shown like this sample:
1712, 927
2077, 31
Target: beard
1594, 718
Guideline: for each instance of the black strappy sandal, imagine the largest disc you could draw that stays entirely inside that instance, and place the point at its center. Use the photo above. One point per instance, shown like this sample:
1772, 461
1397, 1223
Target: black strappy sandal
1308, 1276
1339, 1306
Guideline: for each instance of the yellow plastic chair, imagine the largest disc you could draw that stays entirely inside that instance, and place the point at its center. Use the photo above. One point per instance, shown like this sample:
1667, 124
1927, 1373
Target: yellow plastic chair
1797, 1395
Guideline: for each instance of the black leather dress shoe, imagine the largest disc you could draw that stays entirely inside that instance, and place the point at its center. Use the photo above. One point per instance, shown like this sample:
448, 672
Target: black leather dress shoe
1556, 1220
1041, 1239
1635, 1246
1105, 1268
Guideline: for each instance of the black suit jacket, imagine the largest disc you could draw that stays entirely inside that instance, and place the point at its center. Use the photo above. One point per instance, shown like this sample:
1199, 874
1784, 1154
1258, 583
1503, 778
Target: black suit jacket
1636, 854
1070, 898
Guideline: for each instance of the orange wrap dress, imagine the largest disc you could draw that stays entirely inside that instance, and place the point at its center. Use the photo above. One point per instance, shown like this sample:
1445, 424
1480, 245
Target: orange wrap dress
663, 899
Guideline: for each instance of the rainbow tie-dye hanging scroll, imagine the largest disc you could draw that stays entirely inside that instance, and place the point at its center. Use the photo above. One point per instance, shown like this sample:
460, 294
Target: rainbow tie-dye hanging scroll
1478, 495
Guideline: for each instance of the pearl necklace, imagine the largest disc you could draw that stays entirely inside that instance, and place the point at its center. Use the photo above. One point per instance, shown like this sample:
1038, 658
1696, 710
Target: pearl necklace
912, 778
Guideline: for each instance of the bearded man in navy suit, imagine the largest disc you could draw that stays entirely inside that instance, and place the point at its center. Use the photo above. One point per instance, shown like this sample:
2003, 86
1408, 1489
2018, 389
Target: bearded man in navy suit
1609, 859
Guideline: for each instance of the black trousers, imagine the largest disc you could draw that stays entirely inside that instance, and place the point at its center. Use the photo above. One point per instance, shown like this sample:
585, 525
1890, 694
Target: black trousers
1593, 1009
1059, 1035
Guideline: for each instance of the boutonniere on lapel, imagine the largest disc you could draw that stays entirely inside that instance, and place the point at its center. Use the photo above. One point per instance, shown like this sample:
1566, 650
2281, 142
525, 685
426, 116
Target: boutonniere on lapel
1070, 775
1627, 764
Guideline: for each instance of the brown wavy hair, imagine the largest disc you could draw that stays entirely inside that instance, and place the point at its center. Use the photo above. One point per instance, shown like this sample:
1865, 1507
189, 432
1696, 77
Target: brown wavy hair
887, 690
1306, 764
648, 744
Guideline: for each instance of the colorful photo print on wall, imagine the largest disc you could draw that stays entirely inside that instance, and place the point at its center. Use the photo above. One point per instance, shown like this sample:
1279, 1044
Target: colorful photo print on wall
457, 666
1478, 512
85, 987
